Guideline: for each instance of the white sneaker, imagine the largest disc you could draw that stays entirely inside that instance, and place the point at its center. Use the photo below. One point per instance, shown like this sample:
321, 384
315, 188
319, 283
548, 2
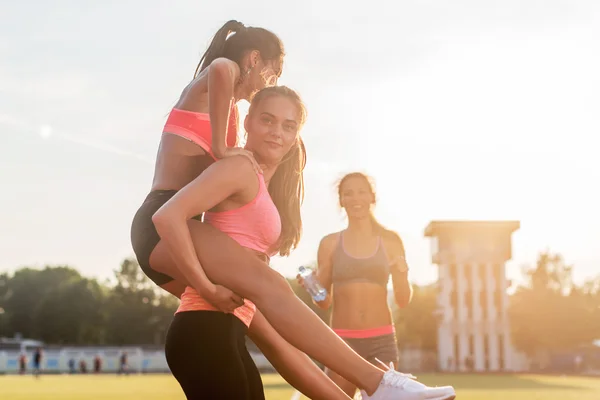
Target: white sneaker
398, 386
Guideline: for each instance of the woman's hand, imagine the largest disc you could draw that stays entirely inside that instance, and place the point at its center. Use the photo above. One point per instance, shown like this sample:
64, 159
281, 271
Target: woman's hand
300, 281
238, 151
222, 298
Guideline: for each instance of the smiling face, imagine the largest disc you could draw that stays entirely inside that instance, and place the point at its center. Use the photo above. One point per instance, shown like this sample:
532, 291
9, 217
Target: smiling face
272, 126
356, 196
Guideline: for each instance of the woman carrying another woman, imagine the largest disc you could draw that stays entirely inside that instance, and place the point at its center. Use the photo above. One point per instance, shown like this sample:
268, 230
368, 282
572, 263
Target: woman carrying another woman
205, 348
176, 250
357, 263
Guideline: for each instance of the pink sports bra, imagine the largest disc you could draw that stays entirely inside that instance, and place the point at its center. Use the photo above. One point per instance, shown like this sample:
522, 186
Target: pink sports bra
196, 127
255, 225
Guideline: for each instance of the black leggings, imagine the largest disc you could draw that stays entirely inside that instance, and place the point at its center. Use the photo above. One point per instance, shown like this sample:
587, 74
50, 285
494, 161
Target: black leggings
206, 352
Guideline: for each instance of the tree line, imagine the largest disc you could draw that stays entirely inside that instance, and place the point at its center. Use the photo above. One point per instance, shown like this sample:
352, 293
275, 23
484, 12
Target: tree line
58, 305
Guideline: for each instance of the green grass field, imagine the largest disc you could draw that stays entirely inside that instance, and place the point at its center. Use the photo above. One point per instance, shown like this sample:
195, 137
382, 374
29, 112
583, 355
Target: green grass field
164, 387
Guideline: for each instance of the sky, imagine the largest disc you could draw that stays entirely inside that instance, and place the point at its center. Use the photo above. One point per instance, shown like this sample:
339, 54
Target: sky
459, 110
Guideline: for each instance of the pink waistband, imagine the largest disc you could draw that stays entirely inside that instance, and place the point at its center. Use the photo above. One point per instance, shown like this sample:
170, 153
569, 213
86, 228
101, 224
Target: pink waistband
192, 301
365, 333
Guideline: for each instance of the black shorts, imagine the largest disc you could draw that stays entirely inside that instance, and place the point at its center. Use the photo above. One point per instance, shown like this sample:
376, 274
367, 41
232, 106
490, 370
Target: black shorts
144, 237
206, 352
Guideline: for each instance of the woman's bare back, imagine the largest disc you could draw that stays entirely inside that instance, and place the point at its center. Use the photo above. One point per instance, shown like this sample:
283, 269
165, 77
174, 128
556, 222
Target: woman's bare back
179, 161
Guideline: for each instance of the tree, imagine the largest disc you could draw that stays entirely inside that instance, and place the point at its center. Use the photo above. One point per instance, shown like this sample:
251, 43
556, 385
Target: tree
131, 278
549, 313
4, 326
72, 313
590, 299
551, 274
416, 324
59, 306
23, 293
138, 311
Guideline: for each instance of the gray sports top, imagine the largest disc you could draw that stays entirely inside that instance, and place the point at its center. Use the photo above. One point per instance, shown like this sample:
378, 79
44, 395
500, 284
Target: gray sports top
348, 269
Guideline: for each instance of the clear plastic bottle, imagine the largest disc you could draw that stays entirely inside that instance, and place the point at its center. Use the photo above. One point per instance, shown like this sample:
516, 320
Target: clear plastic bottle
312, 285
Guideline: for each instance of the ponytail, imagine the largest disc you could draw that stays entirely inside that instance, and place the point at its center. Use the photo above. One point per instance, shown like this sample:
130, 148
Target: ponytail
217, 44
234, 40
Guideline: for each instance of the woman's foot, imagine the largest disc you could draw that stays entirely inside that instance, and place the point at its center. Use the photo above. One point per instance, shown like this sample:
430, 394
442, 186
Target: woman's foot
398, 386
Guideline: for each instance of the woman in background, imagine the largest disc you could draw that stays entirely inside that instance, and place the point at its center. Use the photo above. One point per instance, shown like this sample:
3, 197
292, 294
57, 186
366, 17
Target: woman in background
354, 266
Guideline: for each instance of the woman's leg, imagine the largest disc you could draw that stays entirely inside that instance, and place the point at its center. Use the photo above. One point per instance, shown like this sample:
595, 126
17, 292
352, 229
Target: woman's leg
373, 349
348, 387
293, 365
202, 353
255, 383
229, 264
176, 288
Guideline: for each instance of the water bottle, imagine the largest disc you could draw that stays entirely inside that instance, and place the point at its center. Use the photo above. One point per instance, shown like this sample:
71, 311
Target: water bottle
312, 285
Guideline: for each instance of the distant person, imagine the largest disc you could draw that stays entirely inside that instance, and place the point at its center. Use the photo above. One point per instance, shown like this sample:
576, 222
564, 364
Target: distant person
37, 362
123, 364
97, 364
22, 363
71, 364
83, 366
354, 266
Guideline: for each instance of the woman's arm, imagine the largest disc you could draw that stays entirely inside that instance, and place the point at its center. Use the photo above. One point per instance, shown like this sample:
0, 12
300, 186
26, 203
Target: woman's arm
218, 182
324, 267
399, 268
222, 77
293, 365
